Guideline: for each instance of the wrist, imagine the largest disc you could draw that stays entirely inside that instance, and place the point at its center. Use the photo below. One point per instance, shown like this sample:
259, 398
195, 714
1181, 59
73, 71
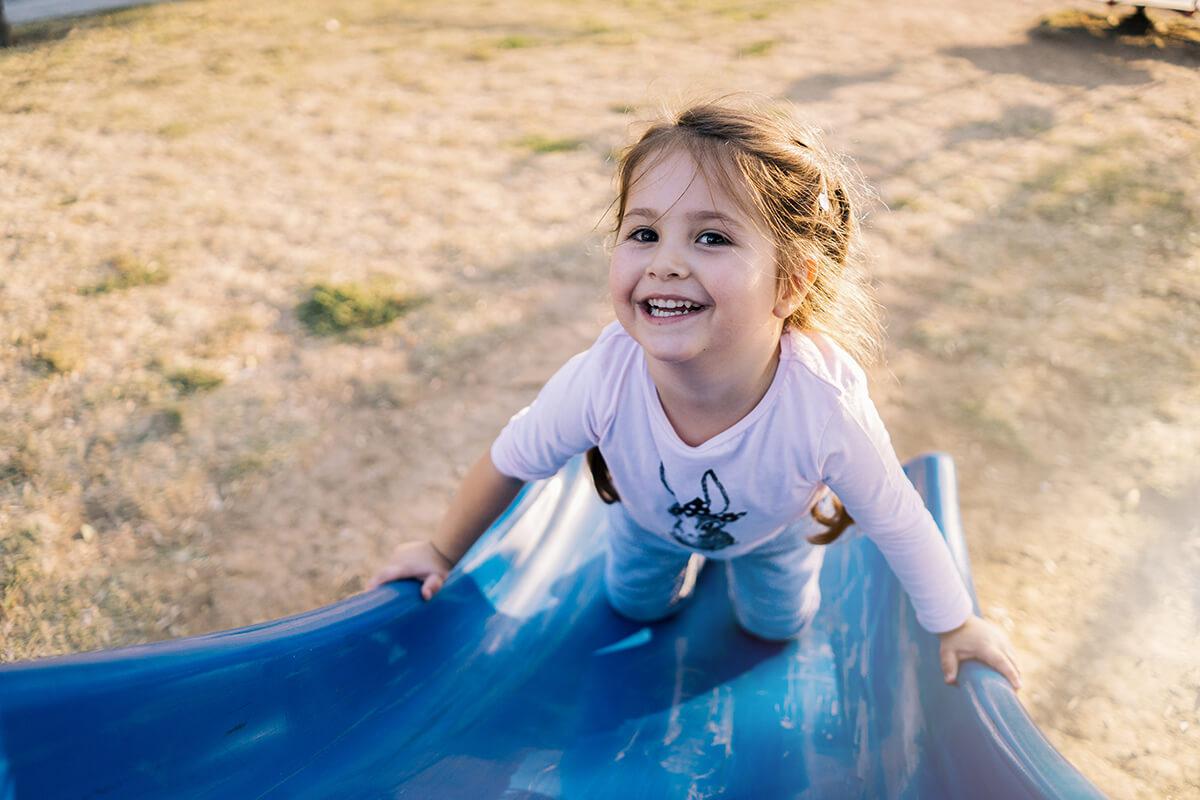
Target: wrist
442, 554
952, 631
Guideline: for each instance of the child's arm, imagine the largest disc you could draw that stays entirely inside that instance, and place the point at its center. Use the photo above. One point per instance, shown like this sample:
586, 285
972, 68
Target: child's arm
484, 493
861, 467
536, 442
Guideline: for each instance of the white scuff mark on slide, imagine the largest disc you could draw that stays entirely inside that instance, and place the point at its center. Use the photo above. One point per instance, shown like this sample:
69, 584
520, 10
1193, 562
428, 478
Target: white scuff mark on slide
674, 726
20, 12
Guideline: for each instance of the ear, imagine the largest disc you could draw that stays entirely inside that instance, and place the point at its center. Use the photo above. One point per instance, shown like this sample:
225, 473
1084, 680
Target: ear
795, 288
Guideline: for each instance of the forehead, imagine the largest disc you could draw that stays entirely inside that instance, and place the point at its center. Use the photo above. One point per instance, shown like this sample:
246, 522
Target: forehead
674, 183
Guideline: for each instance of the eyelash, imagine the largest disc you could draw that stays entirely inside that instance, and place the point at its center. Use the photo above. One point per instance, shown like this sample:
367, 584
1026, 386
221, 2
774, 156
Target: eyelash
635, 231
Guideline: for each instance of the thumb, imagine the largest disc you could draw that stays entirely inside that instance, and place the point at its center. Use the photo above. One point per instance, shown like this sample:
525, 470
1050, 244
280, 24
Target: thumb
949, 665
432, 585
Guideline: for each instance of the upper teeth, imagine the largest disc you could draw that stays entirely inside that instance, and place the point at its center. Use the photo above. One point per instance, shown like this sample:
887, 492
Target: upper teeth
655, 303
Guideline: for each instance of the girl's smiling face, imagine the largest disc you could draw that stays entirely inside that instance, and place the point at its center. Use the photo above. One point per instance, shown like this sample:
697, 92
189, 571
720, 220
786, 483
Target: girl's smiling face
692, 278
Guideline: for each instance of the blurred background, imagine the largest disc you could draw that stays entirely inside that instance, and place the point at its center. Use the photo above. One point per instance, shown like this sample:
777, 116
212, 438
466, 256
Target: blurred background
273, 274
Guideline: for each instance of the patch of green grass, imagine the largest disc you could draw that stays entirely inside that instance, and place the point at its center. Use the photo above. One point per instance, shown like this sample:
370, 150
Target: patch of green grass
593, 27
517, 42
759, 48
174, 130
58, 350
739, 12
545, 144
257, 458
55, 361
333, 309
195, 379
127, 272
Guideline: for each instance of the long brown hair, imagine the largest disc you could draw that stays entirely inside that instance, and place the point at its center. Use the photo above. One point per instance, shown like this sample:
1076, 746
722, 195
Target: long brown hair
780, 172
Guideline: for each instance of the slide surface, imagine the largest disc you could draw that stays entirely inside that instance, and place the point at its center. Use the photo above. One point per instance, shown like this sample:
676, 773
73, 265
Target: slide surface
518, 681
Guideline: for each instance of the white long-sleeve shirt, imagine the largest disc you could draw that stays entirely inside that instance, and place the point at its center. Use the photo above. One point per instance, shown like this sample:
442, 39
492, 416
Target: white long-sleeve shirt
815, 428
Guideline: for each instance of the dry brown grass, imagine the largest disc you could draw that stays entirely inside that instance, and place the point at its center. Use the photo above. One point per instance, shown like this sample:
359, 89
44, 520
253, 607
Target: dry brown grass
179, 452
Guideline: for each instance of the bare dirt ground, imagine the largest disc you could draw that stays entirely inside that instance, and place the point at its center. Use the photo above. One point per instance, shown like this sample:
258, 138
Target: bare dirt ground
179, 453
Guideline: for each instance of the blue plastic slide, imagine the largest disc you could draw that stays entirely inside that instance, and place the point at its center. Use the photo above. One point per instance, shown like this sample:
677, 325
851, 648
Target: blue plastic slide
518, 681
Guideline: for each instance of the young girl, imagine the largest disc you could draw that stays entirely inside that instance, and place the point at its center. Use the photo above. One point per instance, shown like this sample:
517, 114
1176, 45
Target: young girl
725, 401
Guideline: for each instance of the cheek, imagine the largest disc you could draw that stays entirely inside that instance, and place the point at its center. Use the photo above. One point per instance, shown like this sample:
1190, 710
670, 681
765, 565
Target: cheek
618, 295
749, 300
621, 277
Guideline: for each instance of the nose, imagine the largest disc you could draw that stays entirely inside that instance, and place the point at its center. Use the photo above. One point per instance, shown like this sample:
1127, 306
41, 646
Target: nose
668, 262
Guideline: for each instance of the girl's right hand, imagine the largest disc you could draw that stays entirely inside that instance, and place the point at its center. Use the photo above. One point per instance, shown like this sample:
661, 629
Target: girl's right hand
420, 560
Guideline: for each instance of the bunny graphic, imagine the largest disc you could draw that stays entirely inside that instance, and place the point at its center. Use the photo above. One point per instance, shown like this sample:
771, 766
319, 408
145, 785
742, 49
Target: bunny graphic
709, 533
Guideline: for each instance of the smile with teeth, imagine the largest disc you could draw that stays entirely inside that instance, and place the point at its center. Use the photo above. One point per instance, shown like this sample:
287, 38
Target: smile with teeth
671, 308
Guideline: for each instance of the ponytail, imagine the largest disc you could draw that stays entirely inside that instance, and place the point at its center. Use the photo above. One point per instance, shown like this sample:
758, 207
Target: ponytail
836, 523
601, 478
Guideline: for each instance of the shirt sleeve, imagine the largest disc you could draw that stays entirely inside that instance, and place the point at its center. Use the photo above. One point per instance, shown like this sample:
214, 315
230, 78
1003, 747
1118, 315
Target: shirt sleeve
860, 466
540, 438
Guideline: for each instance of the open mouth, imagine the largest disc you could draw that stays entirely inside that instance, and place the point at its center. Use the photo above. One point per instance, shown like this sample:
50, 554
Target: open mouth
663, 309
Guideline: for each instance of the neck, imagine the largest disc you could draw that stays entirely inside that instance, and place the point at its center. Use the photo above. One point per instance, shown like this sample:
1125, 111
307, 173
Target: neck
705, 399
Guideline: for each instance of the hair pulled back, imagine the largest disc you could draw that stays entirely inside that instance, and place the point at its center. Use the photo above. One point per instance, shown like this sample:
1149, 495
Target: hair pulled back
808, 200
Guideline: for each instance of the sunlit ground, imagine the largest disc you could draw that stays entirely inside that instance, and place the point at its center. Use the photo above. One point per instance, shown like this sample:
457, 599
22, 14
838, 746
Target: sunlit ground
273, 274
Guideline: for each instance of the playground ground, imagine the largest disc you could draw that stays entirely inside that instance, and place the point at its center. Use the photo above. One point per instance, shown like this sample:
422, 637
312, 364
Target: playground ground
181, 452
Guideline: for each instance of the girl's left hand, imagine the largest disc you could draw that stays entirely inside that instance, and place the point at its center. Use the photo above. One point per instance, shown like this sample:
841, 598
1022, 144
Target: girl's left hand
981, 640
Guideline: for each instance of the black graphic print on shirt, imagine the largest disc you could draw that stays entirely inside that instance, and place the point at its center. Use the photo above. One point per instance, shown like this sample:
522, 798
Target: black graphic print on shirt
707, 530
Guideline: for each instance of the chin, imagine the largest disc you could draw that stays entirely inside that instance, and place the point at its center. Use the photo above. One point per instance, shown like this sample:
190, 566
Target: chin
670, 355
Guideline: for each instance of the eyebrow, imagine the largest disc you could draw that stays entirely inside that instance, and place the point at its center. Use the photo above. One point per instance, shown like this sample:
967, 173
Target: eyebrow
694, 216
